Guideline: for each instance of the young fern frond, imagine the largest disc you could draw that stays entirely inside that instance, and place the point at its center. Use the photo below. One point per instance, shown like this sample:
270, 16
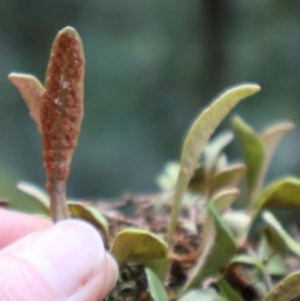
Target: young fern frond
61, 115
57, 109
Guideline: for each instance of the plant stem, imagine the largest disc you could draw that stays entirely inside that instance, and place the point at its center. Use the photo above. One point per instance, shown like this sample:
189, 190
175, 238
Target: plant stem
58, 205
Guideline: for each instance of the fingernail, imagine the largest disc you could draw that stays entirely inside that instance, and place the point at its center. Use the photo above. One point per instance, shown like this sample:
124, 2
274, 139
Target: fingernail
68, 255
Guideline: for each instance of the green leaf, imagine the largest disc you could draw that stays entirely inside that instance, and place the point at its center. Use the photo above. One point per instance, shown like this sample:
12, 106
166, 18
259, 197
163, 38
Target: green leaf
222, 162
167, 178
138, 245
204, 294
273, 134
229, 176
213, 150
159, 266
224, 198
238, 222
274, 263
282, 193
271, 138
242, 259
197, 182
156, 288
228, 292
32, 91
254, 153
275, 266
258, 151
37, 193
217, 248
280, 239
285, 290
89, 214
254, 271
197, 138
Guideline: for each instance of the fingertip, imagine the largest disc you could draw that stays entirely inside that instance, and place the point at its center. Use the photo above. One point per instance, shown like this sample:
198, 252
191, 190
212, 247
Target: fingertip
112, 270
66, 262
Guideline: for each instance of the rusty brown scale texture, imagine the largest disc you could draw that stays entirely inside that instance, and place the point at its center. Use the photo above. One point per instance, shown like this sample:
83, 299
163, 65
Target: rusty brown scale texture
62, 108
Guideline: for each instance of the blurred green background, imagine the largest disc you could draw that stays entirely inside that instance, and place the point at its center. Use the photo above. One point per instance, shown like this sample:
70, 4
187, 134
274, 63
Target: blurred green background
151, 66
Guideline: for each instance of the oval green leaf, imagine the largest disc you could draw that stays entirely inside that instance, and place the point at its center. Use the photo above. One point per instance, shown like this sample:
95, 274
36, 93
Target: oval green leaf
197, 138
224, 198
90, 214
138, 245
229, 176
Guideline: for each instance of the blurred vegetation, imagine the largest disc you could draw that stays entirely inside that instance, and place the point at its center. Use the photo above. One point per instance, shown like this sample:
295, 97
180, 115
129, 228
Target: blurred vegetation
151, 67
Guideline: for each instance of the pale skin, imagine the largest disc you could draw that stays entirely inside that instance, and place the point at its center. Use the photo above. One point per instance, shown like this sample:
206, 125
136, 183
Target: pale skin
61, 262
